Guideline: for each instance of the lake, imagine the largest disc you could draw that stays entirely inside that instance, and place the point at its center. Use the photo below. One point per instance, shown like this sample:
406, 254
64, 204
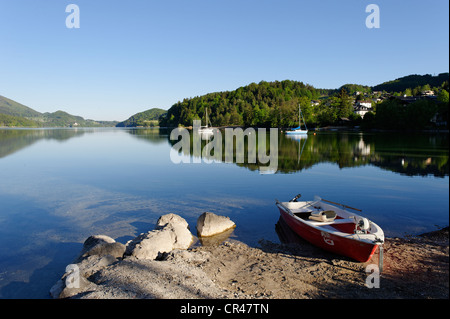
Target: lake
59, 186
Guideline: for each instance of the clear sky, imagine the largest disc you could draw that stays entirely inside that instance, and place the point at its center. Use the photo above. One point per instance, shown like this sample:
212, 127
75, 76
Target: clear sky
130, 56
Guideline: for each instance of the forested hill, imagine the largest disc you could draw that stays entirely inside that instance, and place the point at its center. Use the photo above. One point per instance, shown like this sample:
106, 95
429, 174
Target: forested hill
411, 82
14, 114
272, 104
13, 108
275, 104
146, 118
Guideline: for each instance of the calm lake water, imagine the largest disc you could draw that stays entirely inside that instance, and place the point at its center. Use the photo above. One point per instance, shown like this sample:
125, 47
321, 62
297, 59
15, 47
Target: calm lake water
59, 186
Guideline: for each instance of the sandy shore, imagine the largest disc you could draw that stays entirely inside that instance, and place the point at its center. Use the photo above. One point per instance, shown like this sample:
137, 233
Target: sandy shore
413, 268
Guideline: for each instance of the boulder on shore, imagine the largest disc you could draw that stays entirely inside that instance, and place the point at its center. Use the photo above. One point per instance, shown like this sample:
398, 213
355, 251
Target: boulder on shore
210, 224
171, 232
183, 236
152, 244
101, 245
100, 252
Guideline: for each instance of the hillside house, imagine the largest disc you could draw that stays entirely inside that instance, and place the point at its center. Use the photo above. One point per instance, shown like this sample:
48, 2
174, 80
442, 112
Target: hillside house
362, 107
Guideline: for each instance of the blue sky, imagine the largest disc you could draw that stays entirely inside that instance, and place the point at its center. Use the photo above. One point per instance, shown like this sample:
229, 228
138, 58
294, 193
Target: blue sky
130, 56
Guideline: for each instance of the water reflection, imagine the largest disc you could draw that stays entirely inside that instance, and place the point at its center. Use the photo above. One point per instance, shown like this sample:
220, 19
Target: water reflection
152, 135
13, 140
216, 239
404, 153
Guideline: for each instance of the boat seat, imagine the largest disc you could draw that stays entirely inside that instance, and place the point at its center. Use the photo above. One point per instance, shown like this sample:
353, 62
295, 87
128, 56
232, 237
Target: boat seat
323, 216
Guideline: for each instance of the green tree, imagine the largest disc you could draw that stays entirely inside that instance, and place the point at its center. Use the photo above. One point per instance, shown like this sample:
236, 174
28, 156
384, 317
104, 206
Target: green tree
426, 87
408, 92
443, 96
390, 115
418, 114
344, 105
368, 120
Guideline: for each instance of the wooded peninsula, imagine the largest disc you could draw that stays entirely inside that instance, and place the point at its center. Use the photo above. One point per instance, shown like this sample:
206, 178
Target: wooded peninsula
419, 102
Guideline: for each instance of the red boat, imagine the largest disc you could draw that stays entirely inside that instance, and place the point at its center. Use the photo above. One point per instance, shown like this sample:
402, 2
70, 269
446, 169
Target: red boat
333, 228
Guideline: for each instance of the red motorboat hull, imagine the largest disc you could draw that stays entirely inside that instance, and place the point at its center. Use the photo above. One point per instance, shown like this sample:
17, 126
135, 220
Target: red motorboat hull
357, 250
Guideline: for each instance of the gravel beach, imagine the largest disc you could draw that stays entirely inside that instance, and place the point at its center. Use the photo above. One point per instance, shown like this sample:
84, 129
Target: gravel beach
413, 268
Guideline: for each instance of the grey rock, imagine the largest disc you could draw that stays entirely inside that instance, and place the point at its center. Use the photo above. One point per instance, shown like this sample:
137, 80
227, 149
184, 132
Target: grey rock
210, 224
152, 244
183, 236
171, 232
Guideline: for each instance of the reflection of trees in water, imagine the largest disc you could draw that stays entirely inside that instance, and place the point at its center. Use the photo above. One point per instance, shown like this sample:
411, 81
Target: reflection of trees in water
411, 154
13, 140
151, 135
404, 153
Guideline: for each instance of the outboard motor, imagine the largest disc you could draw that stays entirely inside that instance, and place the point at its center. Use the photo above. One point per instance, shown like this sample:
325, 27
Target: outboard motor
295, 198
363, 225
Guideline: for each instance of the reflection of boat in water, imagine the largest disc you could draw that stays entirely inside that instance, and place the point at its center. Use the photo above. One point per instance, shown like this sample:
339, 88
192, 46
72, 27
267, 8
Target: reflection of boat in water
286, 234
333, 228
298, 130
299, 138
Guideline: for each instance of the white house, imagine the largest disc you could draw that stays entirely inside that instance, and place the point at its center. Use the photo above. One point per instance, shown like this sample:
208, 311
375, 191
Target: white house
367, 104
362, 107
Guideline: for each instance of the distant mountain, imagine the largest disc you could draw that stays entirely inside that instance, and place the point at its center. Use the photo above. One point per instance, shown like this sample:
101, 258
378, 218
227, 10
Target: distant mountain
17, 121
14, 114
147, 118
10, 107
412, 81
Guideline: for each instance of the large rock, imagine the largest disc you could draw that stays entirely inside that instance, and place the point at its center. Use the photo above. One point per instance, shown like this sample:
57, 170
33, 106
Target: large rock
183, 236
101, 245
98, 252
172, 219
67, 287
171, 232
210, 224
101, 252
152, 244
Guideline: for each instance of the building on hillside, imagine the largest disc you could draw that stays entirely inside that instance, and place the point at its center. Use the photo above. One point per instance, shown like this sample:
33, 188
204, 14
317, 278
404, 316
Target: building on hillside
362, 107
428, 93
405, 100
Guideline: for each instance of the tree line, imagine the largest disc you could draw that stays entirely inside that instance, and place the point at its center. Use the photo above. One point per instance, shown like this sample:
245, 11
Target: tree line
424, 113
275, 104
412, 81
266, 104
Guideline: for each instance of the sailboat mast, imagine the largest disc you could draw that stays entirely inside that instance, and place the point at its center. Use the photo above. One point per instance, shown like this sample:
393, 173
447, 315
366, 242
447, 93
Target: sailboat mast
301, 114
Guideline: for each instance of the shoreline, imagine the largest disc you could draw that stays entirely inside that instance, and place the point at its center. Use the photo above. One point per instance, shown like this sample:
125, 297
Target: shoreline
282, 129
414, 268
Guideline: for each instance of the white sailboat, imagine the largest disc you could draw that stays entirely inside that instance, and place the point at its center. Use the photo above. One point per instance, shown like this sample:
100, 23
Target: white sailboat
206, 130
298, 130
